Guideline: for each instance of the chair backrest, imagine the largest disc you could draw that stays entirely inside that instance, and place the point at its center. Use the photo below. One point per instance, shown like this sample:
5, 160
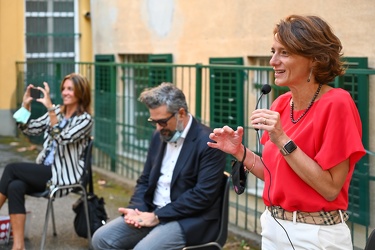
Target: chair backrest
86, 179
370, 245
223, 232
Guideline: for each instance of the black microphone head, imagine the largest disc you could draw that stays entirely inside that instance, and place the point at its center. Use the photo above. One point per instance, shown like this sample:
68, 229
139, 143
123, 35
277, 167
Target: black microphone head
266, 88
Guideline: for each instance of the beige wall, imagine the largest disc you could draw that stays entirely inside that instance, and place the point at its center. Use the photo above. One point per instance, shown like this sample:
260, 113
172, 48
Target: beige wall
85, 54
12, 49
195, 30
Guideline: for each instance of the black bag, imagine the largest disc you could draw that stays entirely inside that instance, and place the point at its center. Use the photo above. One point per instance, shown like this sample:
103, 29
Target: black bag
97, 214
239, 176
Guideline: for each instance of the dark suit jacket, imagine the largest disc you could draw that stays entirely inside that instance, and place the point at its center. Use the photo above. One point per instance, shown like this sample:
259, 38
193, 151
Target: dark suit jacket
195, 187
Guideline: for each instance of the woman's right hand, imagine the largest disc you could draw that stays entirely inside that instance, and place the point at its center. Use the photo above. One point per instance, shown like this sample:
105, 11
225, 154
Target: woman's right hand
27, 97
46, 99
227, 140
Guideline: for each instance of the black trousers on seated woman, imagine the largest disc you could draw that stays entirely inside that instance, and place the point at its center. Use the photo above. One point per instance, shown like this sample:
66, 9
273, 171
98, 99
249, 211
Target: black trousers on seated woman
23, 178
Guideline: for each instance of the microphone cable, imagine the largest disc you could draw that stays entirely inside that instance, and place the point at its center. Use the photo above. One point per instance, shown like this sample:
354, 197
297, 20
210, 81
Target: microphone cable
269, 196
266, 88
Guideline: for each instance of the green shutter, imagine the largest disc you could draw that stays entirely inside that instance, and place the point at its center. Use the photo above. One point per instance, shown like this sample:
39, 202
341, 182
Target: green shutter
105, 106
157, 74
227, 93
358, 87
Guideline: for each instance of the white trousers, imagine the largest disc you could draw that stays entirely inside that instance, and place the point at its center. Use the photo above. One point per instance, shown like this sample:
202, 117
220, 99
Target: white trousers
303, 236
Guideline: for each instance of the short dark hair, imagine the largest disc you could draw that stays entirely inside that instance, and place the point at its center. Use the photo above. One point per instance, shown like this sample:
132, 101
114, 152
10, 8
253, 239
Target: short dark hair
312, 37
164, 94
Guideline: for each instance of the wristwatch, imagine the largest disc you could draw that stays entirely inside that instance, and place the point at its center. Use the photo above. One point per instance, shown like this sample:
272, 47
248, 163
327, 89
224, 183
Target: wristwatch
288, 148
52, 108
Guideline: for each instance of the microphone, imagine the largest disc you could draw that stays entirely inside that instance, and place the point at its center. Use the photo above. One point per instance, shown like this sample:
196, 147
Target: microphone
266, 88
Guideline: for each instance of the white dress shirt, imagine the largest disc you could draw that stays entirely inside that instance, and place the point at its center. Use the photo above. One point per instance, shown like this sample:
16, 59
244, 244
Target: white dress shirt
172, 151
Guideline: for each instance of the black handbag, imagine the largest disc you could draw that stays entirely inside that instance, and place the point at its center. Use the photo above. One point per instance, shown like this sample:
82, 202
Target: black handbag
97, 214
96, 209
239, 176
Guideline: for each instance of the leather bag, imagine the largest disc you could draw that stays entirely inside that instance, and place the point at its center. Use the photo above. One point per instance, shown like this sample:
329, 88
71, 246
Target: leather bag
239, 176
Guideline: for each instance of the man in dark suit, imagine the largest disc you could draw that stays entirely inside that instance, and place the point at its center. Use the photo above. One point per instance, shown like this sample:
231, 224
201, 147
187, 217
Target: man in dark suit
176, 201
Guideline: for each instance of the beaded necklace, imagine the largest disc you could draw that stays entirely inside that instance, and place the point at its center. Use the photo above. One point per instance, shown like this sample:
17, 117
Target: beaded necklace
308, 108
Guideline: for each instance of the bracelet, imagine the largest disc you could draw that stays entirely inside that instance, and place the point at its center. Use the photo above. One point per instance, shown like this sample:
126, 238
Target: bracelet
253, 166
243, 159
51, 108
244, 154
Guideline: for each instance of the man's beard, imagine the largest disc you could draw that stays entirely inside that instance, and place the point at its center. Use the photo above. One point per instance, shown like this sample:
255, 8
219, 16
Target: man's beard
166, 134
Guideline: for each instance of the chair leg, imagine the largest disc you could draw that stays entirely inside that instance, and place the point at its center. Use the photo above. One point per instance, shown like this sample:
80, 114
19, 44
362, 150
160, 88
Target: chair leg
49, 205
53, 219
50, 209
87, 217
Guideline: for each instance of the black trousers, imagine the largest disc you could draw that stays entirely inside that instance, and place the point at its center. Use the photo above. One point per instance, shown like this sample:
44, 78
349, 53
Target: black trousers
23, 178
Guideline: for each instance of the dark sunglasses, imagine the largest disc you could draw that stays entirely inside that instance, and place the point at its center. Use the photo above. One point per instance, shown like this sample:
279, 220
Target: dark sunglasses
161, 122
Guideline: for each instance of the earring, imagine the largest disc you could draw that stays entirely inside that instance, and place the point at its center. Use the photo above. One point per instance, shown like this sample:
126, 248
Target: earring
308, 79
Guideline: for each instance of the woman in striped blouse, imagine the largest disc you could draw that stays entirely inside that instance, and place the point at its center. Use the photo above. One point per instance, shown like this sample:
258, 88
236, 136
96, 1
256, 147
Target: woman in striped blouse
67, 129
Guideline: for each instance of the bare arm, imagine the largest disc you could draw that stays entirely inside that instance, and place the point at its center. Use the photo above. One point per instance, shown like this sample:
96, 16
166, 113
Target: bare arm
327, 183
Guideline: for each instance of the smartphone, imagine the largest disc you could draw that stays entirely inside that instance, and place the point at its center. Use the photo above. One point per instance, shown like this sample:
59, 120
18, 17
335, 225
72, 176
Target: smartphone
35, 93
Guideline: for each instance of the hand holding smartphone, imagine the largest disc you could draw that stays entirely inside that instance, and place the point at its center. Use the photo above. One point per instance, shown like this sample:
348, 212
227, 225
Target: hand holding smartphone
35, 93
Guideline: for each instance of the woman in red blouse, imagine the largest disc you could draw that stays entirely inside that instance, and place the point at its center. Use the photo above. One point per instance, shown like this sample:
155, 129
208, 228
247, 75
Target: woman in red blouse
312, 141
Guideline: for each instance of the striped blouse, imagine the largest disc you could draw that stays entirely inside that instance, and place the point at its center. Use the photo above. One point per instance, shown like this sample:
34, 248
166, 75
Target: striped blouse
68, 164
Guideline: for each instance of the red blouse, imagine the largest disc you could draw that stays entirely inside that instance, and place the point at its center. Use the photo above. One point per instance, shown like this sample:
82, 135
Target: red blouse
329, 133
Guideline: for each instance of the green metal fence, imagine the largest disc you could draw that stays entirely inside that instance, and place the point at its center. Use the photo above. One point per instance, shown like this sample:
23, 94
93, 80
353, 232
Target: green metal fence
217, 95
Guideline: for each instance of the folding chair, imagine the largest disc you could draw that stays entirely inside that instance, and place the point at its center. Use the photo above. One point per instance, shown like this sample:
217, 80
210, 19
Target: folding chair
223, 230
78, 188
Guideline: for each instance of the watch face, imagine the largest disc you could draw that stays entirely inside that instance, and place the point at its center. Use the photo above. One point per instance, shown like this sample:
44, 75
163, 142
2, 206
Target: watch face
290, 146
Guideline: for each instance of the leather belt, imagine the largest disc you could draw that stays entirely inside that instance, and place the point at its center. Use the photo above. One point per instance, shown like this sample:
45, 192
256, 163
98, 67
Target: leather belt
316, 218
